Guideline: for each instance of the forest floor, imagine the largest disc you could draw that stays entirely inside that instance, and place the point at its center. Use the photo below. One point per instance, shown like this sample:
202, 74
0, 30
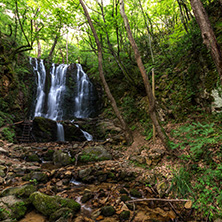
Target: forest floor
139, 179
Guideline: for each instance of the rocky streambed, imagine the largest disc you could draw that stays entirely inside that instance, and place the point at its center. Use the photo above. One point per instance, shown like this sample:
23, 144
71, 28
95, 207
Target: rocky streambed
88, 181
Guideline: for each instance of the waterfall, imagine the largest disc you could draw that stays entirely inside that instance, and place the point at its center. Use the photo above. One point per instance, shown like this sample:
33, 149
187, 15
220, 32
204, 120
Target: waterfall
41, 77
54, 107
57, 89
84, 88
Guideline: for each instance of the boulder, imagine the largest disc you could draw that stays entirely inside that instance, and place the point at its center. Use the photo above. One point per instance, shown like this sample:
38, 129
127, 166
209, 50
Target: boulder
97, 153
61, 159
48, 205
44, 130
12, 208
21, 191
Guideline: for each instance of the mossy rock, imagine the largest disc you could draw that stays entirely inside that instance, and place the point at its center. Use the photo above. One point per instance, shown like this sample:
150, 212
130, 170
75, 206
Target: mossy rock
47, 205
44, 130
61, 159
33, 158
108, 211
97, 153
36, 176
124, 215
64, 212
125, 198
135, 193
22, 191
12, 208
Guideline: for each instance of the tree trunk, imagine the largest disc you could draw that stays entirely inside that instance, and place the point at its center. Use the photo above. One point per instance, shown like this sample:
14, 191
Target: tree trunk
67, 49
53, 46
209, 38
128, 134
152, 111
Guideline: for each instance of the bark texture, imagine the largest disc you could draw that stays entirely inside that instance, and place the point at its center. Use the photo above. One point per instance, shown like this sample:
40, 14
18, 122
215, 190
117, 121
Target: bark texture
152, 111
209, 38
128, 134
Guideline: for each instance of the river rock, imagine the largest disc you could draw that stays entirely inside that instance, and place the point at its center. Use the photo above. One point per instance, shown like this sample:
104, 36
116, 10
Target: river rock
61, 159
12, 208
48, 205
96, 153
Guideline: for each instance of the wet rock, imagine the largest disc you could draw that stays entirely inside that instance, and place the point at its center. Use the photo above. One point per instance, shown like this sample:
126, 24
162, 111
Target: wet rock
44, 129
48, 205
87, 196
108, 211
124, 215
73, 133
61, 159
97, 153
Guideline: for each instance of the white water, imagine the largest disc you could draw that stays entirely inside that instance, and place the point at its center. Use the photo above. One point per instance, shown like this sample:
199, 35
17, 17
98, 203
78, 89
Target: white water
56, 92
60, 132
40, 98
58, 81
83, 87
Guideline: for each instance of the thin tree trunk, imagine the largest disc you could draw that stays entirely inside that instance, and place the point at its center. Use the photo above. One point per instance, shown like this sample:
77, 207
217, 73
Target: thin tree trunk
53, 46
209, 38
152, 111
67, 49
128, 134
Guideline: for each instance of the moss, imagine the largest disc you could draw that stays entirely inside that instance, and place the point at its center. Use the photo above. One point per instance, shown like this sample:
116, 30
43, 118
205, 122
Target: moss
19, 210
47, 205
108, 211
125, 215
135, 193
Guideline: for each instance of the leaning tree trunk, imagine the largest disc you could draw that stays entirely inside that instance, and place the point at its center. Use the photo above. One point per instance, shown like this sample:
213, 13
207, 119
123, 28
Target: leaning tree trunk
152, 110
128, 134
209, 38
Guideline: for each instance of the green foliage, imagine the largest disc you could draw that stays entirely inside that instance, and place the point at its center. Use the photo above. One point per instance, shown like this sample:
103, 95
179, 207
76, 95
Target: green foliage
8, 134
201, 179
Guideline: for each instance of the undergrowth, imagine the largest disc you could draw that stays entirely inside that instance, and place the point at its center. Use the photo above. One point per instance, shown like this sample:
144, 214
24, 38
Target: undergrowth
200, 178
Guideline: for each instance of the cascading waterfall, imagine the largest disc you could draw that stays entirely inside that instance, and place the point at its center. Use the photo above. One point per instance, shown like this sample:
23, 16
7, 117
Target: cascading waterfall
41, 77
84, 87
53, 109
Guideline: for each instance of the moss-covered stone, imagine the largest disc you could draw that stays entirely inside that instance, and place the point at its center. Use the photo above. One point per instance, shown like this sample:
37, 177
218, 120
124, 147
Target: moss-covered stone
125, 198
97, 153
22, 191
135, 193
44, 130
124, 215
47, 205
64, 212
108, 211
61, 159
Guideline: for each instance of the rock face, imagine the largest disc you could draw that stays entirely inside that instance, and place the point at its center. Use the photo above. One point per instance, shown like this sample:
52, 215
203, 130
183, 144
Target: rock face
44, 130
